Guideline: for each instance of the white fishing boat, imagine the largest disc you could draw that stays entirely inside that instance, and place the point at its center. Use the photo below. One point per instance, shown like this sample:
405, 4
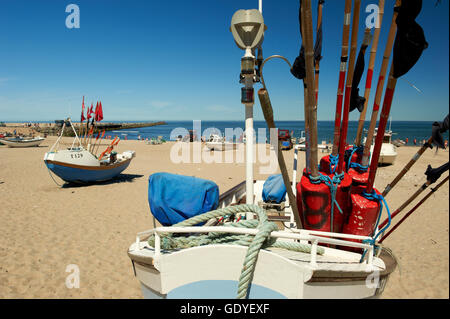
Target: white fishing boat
218, 143
248, 247
22, 141
78, 164
213, 270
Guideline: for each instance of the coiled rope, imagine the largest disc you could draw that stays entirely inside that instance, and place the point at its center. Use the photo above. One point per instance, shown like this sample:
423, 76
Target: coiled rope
262, 239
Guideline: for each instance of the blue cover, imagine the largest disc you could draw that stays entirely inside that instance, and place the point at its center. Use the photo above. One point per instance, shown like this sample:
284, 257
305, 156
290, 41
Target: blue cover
274, 190
174, 198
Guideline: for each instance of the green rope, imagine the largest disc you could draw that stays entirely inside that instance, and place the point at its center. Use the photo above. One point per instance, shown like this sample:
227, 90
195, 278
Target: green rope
262, 239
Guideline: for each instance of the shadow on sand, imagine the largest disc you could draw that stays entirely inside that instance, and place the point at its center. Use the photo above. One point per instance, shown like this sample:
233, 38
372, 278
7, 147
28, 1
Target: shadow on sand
121, 178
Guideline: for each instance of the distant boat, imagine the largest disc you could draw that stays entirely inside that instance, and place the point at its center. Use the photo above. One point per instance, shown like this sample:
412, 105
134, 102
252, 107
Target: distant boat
81, 165
388, 152
218, 143
22, 141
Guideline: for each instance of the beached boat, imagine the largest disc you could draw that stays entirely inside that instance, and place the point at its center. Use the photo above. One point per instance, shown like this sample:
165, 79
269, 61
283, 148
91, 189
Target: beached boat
22, 141
238, 251
79, 165
388, 152
213, 270
218, 143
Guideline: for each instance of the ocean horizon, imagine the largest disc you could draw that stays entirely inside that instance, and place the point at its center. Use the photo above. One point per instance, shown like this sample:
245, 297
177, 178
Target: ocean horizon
419, 130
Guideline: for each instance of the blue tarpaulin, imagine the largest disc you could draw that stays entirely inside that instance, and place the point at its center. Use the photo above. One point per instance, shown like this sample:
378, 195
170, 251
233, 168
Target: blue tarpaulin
274, 190
174, 198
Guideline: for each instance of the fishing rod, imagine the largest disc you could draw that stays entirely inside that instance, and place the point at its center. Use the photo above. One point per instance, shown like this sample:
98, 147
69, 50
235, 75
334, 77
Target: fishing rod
433, 190
380, 85
432, 176
342, 71
267, 109
373, 54
408, 166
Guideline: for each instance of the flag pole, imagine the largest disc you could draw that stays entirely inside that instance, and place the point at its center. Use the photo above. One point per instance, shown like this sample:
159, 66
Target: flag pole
348, 87
342, 71
373, 54
98, 145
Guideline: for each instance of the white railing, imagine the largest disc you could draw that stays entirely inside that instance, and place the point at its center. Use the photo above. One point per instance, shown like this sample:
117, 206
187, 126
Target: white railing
314, 237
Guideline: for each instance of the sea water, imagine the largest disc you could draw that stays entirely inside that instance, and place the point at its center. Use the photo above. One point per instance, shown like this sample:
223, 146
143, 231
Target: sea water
419, 130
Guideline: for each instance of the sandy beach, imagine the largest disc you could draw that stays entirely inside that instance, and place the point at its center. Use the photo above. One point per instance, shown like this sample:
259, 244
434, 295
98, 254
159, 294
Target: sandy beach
45, 227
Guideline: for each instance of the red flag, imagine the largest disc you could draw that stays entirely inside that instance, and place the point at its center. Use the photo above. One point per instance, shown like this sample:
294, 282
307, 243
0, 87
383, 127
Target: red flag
82, 111
90, 111
99, 113
96, 110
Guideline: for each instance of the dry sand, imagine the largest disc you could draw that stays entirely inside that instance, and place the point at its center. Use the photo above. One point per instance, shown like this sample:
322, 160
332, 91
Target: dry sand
44, 227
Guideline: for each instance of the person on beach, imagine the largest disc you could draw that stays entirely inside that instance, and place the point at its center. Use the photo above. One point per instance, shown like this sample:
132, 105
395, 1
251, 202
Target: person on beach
415, 141
406, 141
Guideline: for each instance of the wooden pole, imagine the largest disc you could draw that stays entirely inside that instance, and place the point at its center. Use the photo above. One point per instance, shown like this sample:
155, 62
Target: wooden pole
311, 107
380, 85
373, 54
268, 116
317, 63
305, 103
414, 208
406, 168
342, 71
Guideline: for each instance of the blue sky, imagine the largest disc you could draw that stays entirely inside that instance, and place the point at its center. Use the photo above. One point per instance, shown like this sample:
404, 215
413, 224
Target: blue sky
177, 60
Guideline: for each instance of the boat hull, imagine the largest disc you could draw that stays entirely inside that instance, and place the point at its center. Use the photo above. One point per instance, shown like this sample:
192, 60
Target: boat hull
388, 154
23, 143
86, 174
212, 272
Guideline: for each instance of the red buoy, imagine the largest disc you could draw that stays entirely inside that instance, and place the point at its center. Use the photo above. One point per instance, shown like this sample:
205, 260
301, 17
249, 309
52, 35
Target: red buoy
325, 166
363, 215
315, 201
358, 177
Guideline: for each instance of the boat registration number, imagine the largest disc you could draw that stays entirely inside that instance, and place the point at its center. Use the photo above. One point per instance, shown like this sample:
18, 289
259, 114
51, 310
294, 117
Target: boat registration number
76, 155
